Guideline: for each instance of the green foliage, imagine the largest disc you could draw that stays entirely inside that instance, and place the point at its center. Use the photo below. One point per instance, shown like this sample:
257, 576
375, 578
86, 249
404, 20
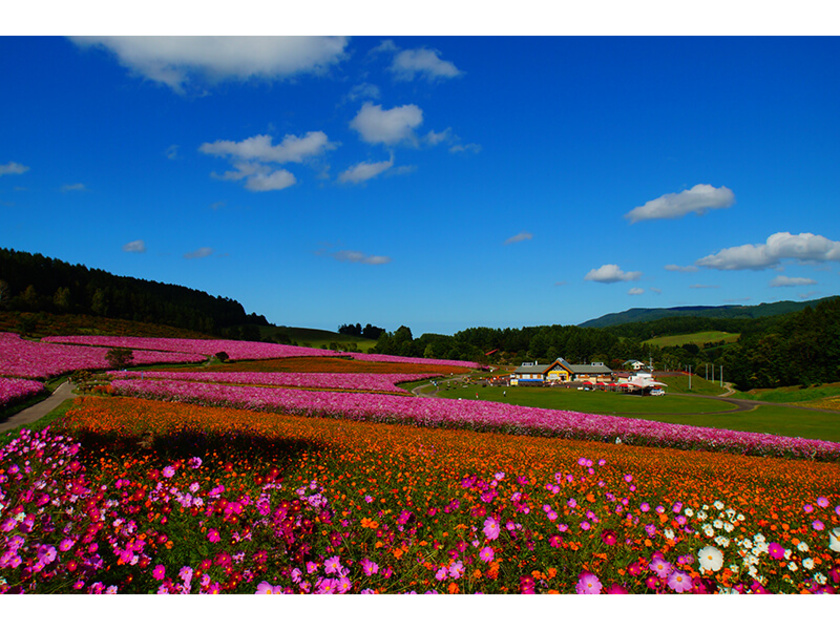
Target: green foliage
119, 358
32, 283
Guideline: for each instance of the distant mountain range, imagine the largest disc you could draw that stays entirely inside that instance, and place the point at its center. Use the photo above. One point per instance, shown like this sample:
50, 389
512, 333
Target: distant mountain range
635, 315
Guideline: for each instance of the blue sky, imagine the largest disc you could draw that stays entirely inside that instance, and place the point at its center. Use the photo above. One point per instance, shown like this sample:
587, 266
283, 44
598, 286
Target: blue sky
437, 182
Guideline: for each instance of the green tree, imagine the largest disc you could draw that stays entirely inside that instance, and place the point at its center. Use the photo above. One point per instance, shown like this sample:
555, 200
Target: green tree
119, 358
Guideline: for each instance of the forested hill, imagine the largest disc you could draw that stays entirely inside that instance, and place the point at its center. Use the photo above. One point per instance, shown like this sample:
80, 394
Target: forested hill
36, 283
635, 315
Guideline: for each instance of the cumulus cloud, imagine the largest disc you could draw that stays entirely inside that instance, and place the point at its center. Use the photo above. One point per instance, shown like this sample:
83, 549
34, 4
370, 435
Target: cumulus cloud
12, 168
804, 247
635, 291
366, 91
698, 199
784, 281
390, 126
608, 274
522, 236
137, 247
201, 252
260, 148
424, 63
181, 61
364, 171
73, 188
359, 257
250, 158
688, 269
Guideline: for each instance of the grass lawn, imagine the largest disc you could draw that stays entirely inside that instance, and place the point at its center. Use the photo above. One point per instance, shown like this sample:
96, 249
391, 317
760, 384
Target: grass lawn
787, 421
793, 394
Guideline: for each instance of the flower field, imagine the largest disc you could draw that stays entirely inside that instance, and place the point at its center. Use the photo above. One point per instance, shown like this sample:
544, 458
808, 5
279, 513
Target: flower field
385, 383
478, 415
15, 389
317, 474
31, 359
191, 499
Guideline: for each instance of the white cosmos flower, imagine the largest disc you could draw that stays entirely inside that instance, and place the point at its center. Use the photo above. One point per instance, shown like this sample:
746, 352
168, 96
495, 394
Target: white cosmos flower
723, 541
718, 523
759, 538
708, 530
701, 515
803, 546
718, 505
728, 527
820, 579
746, 543
808, 563
668, 533
710, 558
792, 566
834, 539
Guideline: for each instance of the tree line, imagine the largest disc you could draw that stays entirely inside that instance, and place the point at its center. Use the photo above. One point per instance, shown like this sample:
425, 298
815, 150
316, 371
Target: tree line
36, 283
800, 348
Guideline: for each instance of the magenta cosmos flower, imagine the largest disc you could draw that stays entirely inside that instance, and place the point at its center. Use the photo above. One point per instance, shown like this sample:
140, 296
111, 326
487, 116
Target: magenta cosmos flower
213, 536
159, 572
776, 551
588, 584
486, 554
264, 588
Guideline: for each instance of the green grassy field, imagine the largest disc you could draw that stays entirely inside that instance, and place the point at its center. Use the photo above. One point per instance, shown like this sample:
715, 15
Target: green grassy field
689, 410
699, 385
793, 394
708, 336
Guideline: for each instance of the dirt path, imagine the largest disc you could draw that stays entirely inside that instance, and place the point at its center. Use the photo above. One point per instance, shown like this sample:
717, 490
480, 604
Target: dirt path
39, 410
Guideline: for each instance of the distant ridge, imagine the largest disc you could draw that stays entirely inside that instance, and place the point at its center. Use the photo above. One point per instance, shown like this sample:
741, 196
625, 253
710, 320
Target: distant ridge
764, 309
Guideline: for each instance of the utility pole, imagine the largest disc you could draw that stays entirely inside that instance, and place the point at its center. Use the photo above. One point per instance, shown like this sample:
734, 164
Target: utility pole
721, 376
689, 377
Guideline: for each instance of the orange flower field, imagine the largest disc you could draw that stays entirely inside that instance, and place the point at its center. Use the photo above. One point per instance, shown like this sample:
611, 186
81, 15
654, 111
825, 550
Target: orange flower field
197, 499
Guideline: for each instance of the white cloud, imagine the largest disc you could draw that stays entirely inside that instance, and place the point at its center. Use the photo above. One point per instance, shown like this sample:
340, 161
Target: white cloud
172, 152
359, 257
471, 147
137, 247
366, 91
784, 281
181, 61
364, 171
201, 252
698, 199
260, 148
612, 273
635, 291
433, 138
704, 286
390, 126
249, 158
522, 236
688, 269
805, 247
657, 291
273, 180
12, 168
424, 63
73, 188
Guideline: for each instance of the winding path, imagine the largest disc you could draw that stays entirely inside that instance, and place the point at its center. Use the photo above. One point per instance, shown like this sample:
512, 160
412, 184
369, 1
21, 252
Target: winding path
39, 410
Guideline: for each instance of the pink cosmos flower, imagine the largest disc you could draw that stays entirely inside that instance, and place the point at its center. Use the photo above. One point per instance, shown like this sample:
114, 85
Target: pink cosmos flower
807, 508
213, 536
264, 588
159, 572
491, 529
369, 567
588, 584
487, 554
441, 574
168, 472
680, 582
332, 565
818, 525
661, 567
